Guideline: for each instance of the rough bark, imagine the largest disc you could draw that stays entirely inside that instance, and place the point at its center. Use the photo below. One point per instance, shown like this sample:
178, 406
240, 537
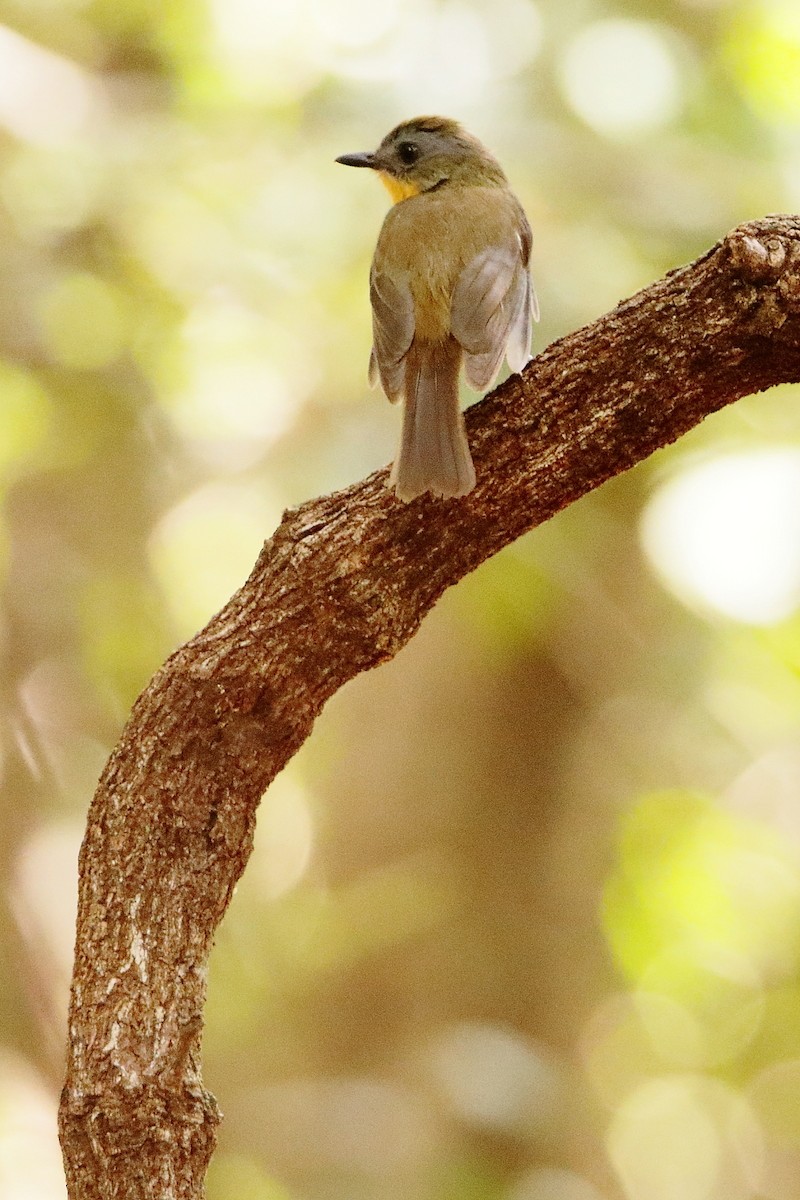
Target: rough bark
341, 586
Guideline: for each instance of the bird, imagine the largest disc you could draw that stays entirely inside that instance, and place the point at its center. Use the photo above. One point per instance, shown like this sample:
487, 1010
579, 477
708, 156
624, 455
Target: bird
449, 287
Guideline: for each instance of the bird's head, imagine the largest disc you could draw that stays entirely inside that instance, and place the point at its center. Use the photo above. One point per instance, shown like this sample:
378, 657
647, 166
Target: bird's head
428, 153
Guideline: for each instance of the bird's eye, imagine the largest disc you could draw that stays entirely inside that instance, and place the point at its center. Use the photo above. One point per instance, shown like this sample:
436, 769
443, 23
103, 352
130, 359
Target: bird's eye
408, 153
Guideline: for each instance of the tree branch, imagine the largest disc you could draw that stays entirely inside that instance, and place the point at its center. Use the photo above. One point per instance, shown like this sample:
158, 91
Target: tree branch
341, 586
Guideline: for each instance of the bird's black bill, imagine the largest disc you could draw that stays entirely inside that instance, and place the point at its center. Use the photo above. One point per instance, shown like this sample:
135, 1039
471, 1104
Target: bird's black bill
357, 160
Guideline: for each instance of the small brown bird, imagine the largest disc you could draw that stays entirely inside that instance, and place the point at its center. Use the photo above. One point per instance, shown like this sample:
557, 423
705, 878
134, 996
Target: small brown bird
449, 284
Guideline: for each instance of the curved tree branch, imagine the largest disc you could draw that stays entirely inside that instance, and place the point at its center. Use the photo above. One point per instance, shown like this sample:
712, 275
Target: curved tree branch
341, 586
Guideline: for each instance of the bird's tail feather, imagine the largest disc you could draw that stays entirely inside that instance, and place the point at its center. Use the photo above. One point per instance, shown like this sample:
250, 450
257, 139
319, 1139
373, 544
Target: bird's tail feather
434, 453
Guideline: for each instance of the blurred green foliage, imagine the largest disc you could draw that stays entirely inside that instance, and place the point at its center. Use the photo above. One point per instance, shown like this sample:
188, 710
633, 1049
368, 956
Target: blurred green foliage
521, 922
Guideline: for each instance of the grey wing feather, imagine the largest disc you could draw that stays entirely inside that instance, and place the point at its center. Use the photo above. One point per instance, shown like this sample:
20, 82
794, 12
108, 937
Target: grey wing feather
392, 330
491, 313
534, 300
477, 310
519, 338
525, 244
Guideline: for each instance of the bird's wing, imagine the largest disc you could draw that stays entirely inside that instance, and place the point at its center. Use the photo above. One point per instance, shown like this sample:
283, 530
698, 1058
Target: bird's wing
519, 336
492, 308
392, 329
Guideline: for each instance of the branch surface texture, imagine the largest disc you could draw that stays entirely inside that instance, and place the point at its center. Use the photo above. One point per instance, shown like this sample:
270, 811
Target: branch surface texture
341, 586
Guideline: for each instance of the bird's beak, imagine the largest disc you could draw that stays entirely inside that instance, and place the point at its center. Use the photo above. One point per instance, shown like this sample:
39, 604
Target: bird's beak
358, 160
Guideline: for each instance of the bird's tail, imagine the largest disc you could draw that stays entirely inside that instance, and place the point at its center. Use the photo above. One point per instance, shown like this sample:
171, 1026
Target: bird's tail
434, 453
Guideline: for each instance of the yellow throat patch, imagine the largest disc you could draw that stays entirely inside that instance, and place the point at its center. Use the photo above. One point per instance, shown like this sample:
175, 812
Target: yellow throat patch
397, 188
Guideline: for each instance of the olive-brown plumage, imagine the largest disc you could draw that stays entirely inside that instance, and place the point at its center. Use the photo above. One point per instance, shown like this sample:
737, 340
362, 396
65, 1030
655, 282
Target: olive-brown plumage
449, 286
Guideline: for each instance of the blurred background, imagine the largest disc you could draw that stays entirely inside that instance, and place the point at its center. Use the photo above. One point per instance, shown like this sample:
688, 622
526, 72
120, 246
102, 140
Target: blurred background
523, 917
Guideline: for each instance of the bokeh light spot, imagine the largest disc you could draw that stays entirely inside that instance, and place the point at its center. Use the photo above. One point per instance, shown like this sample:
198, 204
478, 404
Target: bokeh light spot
83, 321
352, 24
284, 837
44, 98
204, 548
445, 57
763, 48
232, 397
44, 898
621, 77
49, 190
677, 1035
25, 418
267, 52
724, 535
30, 1162
684, 1138
495, 1078
704, 907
